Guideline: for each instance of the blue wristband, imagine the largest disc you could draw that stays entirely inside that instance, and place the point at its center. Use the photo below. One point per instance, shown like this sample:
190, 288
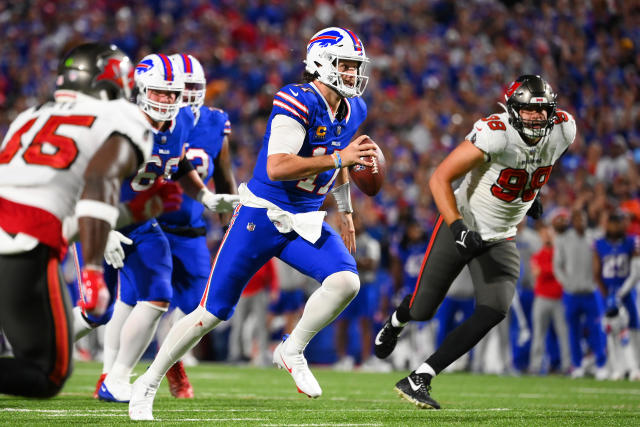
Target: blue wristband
339, 165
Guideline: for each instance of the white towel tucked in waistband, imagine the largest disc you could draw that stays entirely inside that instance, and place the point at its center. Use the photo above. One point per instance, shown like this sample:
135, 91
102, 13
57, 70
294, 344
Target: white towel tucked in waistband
308, 224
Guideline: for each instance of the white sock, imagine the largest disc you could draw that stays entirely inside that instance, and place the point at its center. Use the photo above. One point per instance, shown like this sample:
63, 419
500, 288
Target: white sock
395, 322
166, 323
185, 334
634, 342
323, 306
112, 334
80, 325
425, 368
137, 332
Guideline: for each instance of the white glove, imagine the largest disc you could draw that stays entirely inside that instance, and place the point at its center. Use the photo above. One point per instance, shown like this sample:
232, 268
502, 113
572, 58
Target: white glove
524, 335
113, 252
219, 203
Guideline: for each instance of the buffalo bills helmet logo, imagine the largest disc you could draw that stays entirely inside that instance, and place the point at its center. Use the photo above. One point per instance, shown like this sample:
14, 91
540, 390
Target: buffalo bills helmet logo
144, 66
325, 39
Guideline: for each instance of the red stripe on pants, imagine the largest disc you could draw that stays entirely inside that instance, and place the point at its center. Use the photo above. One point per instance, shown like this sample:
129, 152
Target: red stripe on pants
61, 366
426, 256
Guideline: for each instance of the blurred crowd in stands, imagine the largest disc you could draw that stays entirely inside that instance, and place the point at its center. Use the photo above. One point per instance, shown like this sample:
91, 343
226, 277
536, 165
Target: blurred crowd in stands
436, 67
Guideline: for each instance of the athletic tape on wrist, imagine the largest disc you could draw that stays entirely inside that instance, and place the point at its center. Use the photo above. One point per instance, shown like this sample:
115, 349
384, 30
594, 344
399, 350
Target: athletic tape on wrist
342, 194
98, 210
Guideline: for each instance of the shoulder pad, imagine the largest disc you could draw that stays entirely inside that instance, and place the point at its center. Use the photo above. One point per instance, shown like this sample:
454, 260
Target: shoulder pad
567, 125
132, 123
294, 101
489, 134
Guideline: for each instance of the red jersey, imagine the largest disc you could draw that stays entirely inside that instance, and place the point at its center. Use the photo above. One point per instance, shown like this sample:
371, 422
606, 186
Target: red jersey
546, 284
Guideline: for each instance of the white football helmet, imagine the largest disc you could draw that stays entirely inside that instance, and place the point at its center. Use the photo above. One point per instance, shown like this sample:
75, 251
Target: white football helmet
194, 80
329, 46
158, 72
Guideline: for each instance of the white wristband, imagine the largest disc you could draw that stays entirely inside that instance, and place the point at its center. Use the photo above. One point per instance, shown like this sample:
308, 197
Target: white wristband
342, 194
97, 209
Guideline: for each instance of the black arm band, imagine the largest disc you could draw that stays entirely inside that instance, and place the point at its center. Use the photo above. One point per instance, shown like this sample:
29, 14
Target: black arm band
184, 167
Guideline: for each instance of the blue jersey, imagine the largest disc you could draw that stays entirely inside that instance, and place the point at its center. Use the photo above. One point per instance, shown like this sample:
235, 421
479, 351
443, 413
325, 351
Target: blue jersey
167, 150
411, 258
205, 143
324, 135
615, 258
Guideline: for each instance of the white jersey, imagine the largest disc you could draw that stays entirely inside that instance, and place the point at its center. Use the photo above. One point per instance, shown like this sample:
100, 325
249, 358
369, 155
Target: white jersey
44, 155
494, 197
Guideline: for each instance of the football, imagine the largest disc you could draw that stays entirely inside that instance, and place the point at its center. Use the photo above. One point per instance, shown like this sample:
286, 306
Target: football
369, 179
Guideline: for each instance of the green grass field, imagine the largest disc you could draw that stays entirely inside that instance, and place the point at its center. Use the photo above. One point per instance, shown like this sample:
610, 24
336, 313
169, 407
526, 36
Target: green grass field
230, 395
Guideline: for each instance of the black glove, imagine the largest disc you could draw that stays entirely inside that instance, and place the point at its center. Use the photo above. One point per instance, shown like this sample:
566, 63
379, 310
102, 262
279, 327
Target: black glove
468, 242
535, 210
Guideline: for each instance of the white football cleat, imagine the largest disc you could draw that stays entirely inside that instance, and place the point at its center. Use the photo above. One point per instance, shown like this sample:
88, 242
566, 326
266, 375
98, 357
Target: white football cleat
114, 390
602, 373
296, 365
141, 403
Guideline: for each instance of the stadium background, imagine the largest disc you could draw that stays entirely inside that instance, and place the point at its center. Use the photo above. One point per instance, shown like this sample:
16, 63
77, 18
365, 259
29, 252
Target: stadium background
436, 67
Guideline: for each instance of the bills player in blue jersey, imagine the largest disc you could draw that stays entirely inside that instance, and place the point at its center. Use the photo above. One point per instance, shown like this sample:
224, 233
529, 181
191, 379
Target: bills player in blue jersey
307, 147
611, 263
144, 281
184, 228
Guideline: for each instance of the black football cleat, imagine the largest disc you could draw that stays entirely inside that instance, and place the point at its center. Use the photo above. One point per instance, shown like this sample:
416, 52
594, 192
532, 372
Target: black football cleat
386, 340
415, 388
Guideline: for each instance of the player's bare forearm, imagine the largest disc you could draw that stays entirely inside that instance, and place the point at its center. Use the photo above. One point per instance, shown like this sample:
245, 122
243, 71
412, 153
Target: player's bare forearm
289, 167
93, 234
191, 183
460, 161
342, 178
223, 177
597, 276
348, 231
442, 192
114, 161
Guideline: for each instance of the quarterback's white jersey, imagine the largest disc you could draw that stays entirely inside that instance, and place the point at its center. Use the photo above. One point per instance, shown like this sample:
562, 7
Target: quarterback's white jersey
494, 197
44, 154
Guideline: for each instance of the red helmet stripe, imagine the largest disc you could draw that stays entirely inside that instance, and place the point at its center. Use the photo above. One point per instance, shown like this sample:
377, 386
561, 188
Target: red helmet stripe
188, 67
356, 41
168, 69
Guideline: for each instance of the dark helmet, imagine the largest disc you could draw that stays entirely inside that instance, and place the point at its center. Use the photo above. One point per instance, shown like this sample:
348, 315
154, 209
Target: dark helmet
100, 70
531, 91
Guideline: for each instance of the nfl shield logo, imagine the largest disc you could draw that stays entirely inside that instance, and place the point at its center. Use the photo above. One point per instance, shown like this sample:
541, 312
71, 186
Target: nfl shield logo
251, 226
338, 130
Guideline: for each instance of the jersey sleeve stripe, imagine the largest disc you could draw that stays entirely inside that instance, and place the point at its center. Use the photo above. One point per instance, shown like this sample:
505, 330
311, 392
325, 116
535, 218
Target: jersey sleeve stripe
293, 101
291, 110
227, 127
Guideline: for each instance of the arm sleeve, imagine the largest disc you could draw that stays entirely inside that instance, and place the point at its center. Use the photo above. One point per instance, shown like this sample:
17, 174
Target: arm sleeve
184, 167
286, 136
633, 279
558, 263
